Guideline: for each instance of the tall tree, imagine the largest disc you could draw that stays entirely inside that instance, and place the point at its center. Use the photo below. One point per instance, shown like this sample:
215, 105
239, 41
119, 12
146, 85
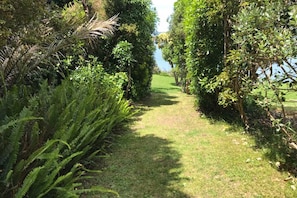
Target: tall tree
177, 38
204, 42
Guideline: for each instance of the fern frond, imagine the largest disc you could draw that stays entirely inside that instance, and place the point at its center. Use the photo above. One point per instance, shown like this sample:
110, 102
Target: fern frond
66, 193
59, 180
53, 180
8, 157
38, 153
28, 182
14, 122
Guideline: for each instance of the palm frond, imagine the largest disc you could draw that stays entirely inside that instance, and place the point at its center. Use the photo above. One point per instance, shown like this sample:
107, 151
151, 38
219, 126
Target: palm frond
95, 29
16, 63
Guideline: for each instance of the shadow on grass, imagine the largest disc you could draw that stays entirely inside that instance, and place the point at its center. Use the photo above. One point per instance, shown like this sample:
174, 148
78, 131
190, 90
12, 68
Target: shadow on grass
276, 146
142, 166
269, 138
172, 88
265, 135
156, 99
159, 98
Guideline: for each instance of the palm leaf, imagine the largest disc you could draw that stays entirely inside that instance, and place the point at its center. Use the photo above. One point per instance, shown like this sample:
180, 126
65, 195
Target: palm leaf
95, 29
16, 63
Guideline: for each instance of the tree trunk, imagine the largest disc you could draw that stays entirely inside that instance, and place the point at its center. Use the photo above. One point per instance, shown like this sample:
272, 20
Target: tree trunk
239, 104
174, 73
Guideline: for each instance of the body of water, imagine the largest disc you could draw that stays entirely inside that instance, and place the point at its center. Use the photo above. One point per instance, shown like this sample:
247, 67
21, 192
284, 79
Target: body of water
162, 64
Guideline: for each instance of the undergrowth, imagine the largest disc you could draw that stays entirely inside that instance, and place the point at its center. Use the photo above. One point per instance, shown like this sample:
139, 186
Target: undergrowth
47, 139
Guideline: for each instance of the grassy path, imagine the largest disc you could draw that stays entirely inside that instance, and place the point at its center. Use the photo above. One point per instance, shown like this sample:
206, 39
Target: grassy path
172, 152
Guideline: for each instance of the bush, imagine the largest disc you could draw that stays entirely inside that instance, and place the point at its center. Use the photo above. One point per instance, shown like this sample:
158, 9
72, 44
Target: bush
44, 146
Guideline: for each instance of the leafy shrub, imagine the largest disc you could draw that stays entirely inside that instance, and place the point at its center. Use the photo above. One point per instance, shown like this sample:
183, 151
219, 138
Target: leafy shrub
43, 147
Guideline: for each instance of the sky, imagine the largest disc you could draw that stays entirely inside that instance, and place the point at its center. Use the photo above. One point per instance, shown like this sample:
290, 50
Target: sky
164, 10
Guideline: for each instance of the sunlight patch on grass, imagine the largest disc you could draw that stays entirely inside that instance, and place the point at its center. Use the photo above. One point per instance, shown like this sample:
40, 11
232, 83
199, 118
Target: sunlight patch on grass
164, 84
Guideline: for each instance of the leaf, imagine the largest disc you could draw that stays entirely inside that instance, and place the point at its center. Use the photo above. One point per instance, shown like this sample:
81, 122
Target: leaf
14, 122
27, 183
42, 150
53, 180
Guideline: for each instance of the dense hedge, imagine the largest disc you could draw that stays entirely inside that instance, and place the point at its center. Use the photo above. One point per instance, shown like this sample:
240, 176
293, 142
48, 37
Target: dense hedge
137, 20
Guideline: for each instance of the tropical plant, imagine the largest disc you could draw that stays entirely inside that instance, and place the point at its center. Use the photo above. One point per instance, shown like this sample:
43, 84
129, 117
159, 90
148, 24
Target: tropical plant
22, 63
47, 146
177, 35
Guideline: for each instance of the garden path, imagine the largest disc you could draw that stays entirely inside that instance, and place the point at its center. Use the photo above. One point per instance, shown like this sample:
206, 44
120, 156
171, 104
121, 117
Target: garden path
172, 151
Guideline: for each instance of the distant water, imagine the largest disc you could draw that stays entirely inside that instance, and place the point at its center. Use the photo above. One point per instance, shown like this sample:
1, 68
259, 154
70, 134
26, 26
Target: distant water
162, 64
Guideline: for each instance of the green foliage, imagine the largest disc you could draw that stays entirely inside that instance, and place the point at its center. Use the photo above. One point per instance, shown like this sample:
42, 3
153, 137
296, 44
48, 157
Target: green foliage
137, 24
266, 42
123, 53
48, 133
18, 18
199, 40
176, 48
45, 145
204, 41
165, 43
74, 14
29, 62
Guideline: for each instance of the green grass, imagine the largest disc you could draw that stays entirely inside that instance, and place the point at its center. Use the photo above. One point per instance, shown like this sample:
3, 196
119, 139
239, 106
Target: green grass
164, 84
173, 152
290, 97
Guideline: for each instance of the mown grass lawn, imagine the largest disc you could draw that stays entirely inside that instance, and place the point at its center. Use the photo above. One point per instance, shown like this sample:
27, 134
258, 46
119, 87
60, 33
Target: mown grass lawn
171, 151
289, 96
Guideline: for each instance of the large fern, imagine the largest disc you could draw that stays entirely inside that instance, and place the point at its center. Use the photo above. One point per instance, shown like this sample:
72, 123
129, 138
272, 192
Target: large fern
11, 134
77, 118
28, 182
